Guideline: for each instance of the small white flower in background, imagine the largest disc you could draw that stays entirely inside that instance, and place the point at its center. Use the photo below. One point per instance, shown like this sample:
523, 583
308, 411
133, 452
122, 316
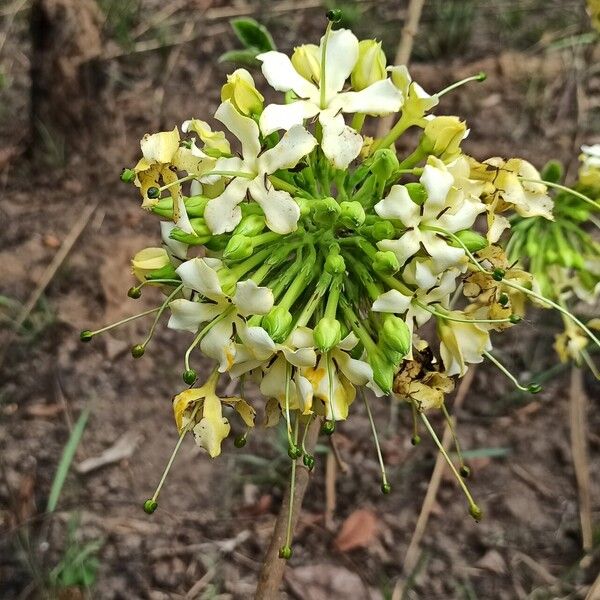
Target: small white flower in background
223, 213
341, 144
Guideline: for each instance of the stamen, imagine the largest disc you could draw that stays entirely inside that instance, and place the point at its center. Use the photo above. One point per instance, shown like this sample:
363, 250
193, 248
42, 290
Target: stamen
532, 388
86, 335
464, 470
386, 488
159, 313
307, 458
330, 385
323, 85
293, 451
285, 552
415, 438
474, 510
512, 319
479, 77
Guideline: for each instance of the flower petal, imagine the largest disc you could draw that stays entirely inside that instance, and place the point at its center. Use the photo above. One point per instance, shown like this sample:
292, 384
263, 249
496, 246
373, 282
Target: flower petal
442, 254
358, 372
392, 301
217, 343
244, 128
341, 144
398, 205
213, 428
188, 316
223, 212
198, 275
437, 182
380, 98
281, 75
160, 147
293, 146
258, 342
250, 299
284, 116
301, 357
405, 247
340, 58
281, 210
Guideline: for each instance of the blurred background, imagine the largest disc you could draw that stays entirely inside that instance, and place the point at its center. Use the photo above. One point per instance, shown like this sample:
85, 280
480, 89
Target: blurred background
85, 430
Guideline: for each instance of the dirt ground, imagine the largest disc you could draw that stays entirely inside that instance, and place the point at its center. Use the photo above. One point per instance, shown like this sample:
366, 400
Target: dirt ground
206, 540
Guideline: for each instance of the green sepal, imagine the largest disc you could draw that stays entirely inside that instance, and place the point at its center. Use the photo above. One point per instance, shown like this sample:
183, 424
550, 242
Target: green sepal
352, 214
471, 239
327, 334
194, 206
250, 225
417, 192
238, 247
166, 272
277, 323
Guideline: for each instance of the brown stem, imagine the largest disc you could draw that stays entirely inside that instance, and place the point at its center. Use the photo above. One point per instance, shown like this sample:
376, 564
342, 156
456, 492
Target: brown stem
273, 567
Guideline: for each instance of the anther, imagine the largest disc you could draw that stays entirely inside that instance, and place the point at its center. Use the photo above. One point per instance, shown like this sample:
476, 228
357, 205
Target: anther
514, 319
127, 175
386, 488
309, 461
334, 15
328, 427
475, 512
240, 441
134, 292
190, 376
498, 274
150, 506
294, 452
465, 471
503, 300
285, 552
534, 388
415, 440
86, 335
153, 193
138, 350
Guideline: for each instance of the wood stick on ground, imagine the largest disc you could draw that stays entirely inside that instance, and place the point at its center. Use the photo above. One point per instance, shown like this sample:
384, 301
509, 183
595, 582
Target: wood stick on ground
50, 272
579, 452
409, 31
330, 496
594, 591
412, 554
271, 573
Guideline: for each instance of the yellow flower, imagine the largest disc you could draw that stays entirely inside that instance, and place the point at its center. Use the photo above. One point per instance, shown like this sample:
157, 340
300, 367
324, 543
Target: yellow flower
200, 409
569, 345
370, 66
442, 137
307, 61
213, 140
148, 260
242, 93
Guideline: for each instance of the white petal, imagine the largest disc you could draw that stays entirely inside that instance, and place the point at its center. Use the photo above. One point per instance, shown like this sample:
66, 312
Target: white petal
398, 205
443, 255
420, 272
302, 357
293, 146
341, 144
217, 344
188, 316
340, 58
304, 390
380, 98
274, 381
499, 224
281, 75
160, 147
405, 247
177, 249
392, 301
357, 372
223, 212
258, 341
244, 128
461, 217
281, 210
301, 337
231, 163
284, 116
198, 275
250, 299
349, 342
437, 183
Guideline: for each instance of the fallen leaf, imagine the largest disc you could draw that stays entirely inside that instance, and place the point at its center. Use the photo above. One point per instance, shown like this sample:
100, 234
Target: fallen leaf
122, 448
492, 561
44, 411
359, 530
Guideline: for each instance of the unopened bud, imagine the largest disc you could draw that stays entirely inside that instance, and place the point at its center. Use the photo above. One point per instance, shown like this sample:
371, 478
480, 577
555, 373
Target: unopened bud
307, 61
242, 93
383, 371
385, 162
383, 230
327, 334
472, 240
386, 262
277, 323
250, 225
417, 192
326, 211
238, 247
335, 264
396, 335
442, 136
352, 214
370, 66
127, 175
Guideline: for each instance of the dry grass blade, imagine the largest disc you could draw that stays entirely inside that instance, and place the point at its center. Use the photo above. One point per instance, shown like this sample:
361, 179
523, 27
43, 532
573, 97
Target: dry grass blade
579, 451
412, 554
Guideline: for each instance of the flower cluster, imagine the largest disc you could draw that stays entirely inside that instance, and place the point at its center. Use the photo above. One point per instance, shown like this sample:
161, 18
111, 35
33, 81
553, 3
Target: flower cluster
316, 260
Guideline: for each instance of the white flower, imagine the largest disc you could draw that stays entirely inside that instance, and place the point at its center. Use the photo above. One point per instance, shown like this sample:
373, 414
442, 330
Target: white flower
200, 275
449, 211
341, 144
223, 213
591, 156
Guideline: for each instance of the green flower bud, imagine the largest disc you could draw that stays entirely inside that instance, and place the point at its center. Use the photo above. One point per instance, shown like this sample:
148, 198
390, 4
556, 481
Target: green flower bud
417, 192
471, 239
150, 506
326, 211
383, 230
153, 193
250, 225
352, 214
285, 552
189, 238
138, 350
370, 66
386, 488
327, 334
335, 264
86, 335
277, 323
167, 272
242, 93
386, 262
190, 376
395, 334
238, 247
305, 205
383, 371
385, 162
127, 175
307, 61
442, 137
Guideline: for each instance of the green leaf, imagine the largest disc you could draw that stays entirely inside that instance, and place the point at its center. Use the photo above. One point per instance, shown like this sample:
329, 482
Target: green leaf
252, 34
66, 459
246, 58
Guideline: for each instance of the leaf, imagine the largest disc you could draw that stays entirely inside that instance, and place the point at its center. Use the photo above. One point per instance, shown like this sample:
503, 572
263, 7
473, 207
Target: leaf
253, 35
66, 459
246, 58
359, 530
